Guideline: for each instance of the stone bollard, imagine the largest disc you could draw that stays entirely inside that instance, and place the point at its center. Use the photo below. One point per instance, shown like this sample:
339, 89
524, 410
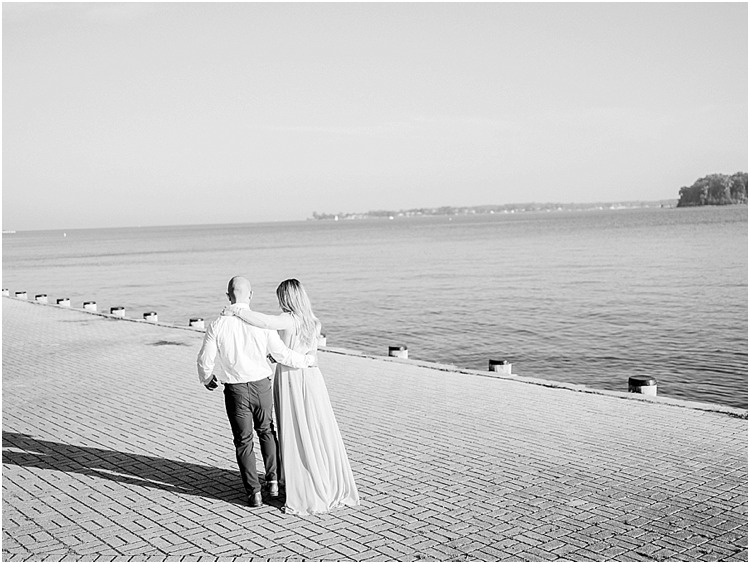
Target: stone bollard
197, 323
642, 385
41, 298
6, 292
22, 296
398, 351
322, 340
501, 366
89, 306
117, 311
64, 302
151, 316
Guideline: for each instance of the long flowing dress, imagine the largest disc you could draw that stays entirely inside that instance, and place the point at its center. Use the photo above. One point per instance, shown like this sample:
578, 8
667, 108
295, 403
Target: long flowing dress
312, 458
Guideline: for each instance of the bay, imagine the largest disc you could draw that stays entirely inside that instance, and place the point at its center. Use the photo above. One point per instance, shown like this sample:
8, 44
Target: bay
587, 297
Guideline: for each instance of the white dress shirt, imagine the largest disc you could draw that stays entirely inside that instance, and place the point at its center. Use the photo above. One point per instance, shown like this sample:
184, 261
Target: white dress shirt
241, 351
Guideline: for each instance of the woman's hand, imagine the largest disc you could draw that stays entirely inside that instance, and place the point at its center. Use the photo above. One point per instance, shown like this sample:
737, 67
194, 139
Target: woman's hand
229, 310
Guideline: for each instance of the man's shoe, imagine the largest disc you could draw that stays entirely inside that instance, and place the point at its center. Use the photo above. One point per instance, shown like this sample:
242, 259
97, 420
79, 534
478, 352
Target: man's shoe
255, 500
273, 489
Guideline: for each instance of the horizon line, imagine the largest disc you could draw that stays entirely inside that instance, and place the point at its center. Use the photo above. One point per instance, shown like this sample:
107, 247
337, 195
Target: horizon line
11, 231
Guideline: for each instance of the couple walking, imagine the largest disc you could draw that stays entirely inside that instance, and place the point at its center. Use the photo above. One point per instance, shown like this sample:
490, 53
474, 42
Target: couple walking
309, 458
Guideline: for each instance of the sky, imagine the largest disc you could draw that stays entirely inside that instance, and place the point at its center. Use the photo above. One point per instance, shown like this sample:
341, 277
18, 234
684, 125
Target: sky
192, 113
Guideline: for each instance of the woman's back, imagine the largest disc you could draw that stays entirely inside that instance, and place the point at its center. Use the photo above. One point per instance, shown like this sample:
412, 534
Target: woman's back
292, 337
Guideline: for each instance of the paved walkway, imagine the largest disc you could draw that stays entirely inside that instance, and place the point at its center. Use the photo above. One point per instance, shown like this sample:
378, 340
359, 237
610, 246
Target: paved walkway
113, 451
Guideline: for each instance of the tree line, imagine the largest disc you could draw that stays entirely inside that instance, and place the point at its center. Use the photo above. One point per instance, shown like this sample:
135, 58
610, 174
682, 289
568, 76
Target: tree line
715, 190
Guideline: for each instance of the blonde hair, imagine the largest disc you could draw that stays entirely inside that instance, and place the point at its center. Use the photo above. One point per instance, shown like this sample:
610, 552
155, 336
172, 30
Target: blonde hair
293, 299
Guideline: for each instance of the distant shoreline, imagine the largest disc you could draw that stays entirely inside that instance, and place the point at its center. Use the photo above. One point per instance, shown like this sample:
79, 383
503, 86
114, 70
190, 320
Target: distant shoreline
494, 209
401, 214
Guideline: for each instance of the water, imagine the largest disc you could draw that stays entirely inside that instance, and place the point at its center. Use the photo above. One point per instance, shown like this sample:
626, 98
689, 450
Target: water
584, 297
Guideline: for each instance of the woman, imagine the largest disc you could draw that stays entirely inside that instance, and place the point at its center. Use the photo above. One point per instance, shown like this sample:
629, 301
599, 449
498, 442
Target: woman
312, 457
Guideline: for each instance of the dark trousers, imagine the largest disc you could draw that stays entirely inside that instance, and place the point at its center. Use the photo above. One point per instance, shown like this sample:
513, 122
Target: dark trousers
250, 405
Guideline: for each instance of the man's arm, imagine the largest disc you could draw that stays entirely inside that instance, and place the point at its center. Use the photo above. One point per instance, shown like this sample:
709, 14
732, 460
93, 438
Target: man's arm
286, 356
207, 356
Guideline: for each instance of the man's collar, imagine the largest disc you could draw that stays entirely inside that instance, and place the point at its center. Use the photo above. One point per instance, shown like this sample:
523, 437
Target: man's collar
241, 305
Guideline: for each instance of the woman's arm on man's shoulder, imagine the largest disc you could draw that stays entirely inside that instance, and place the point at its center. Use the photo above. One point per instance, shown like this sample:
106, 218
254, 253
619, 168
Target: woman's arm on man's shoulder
281, 322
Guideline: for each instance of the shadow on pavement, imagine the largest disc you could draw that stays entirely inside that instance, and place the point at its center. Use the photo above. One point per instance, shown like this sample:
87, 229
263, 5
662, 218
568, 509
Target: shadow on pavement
133, 469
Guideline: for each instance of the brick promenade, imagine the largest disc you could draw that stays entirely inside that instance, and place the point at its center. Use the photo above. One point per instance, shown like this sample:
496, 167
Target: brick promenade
113, 451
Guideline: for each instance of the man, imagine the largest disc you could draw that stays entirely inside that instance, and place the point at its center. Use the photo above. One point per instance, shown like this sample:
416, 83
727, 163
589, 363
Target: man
246, 374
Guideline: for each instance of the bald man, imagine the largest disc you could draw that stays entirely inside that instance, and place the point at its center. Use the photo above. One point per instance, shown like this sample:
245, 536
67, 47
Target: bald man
241, 351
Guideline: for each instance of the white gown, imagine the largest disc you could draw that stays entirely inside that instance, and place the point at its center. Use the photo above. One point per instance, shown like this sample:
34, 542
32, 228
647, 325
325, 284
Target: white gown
312, 458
